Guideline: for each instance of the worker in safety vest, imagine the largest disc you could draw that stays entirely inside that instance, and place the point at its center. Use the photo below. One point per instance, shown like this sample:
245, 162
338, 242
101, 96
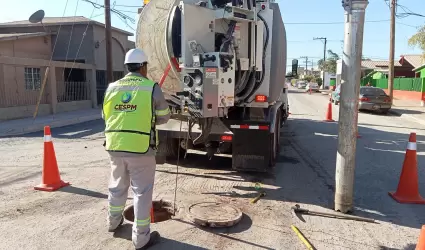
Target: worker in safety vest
131, 108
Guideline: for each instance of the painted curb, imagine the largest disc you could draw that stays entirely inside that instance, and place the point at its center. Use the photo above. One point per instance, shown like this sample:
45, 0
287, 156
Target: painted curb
53, 124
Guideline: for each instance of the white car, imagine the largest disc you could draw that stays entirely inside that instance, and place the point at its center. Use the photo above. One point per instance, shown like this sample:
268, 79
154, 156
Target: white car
301, 84
313, 86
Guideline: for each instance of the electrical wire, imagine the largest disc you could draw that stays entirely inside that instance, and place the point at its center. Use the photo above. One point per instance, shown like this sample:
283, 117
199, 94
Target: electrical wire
70, 36
81, 42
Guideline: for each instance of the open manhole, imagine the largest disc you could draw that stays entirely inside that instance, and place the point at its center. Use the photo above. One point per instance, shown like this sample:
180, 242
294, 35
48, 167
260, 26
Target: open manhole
214, 214
162, 210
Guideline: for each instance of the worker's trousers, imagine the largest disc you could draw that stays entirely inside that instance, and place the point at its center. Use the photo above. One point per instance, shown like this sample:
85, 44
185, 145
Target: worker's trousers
139, 171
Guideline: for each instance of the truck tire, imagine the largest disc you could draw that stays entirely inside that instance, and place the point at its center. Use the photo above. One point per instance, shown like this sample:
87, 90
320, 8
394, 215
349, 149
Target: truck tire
169, 148
275, 141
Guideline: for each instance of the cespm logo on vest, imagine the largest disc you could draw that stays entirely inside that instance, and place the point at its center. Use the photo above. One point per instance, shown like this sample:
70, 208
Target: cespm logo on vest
126, 106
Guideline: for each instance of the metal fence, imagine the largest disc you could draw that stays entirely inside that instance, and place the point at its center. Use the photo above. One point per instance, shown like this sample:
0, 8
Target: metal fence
405, 84
73, 91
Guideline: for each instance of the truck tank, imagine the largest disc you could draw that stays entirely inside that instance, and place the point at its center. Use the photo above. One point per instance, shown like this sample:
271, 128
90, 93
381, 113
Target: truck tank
152, 36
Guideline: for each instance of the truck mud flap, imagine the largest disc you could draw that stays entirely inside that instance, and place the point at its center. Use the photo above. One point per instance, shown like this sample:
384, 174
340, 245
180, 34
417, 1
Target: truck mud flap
251, 150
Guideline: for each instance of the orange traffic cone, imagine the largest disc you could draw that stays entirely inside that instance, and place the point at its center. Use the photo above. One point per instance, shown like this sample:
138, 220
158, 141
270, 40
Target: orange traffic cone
51, 179
358, 135
329, 112
407, 190
421, 240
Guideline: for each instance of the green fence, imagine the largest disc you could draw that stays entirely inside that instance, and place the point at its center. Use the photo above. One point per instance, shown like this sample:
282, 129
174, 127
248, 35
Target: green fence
406, 84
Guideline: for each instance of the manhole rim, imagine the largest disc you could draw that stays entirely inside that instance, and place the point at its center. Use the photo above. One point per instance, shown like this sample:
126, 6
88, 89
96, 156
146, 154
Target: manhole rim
170, 209
209, 223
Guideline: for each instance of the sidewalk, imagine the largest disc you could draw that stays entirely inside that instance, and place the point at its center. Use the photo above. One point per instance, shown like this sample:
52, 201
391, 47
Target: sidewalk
28, 125
409, 110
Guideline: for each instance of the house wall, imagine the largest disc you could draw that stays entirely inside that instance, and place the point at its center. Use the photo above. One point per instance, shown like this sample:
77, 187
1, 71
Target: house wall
69, 40
35, 47
16, 101
422, 73
119, 48
378, 75
12, 78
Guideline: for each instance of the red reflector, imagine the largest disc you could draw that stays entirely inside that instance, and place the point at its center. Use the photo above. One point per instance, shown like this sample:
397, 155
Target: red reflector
264, 127
244, 126
261, 98
226, 138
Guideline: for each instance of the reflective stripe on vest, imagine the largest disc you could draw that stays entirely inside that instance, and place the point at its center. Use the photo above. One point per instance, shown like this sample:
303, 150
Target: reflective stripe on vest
129, 117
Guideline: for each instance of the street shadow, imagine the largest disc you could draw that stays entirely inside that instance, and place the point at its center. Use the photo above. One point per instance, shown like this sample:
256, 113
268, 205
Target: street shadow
77, 131
305, 173
82, 191
379, 161
223, 165
408, 247
125, 231
405, 111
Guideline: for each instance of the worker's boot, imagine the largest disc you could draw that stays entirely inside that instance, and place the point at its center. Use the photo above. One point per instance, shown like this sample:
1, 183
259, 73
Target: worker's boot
112, 229
155, 237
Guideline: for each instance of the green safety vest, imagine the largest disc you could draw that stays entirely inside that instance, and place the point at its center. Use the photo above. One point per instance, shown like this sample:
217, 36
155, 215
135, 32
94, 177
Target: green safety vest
129, 115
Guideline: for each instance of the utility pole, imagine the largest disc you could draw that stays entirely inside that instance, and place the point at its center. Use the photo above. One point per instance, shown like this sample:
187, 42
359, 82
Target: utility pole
306, 64
392, 50
325, 41
348, 110
108, 41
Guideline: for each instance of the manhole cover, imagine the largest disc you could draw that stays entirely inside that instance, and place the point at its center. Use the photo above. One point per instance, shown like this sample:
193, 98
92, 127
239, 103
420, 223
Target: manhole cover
214, 214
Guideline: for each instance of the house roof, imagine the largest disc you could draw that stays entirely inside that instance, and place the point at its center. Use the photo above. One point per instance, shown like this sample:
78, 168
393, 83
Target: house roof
368, 64
416, 61
54, 21
16, 36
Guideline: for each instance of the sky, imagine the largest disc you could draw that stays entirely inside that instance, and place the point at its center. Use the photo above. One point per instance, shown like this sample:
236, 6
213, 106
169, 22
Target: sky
304, 20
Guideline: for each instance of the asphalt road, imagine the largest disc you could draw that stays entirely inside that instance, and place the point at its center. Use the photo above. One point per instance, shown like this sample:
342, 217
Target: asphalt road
74, 217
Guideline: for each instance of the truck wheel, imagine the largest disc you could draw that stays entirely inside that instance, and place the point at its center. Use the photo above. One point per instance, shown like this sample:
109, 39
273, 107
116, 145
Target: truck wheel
169, 148
275, 141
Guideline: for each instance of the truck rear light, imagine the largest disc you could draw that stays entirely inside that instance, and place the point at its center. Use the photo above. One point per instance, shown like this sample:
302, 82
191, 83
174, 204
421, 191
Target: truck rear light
261, 98
226, 138
364, 99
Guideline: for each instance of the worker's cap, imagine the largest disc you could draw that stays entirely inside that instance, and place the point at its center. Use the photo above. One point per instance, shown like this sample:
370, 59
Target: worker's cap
135, 56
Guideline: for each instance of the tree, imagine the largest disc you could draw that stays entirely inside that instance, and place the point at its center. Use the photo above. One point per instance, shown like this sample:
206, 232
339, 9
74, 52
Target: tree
418, 40
308, 78
319, 81
330, 64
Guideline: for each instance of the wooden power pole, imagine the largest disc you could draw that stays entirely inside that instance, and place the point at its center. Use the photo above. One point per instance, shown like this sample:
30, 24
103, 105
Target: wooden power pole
392, 50
108, 41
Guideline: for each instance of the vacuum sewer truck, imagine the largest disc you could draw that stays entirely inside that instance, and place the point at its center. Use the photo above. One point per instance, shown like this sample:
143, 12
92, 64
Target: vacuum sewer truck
221, 65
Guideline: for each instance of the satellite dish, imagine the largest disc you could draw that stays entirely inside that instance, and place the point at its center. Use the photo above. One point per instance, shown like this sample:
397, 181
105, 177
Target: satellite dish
37, 16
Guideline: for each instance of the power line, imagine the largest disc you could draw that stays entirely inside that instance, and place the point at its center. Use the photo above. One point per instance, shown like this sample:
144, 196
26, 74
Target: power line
407, 12
333, 23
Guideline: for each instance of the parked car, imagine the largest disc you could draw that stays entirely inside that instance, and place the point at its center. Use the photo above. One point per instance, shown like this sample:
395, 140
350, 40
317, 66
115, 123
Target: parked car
313, 86
374, 99
370, 98
301, 84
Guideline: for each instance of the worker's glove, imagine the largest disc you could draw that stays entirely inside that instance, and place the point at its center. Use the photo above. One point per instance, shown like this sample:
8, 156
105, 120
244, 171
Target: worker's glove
104, 143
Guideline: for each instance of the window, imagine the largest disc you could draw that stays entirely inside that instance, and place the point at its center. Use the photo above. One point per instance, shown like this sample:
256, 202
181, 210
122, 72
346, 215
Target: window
372, 91
32, 79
